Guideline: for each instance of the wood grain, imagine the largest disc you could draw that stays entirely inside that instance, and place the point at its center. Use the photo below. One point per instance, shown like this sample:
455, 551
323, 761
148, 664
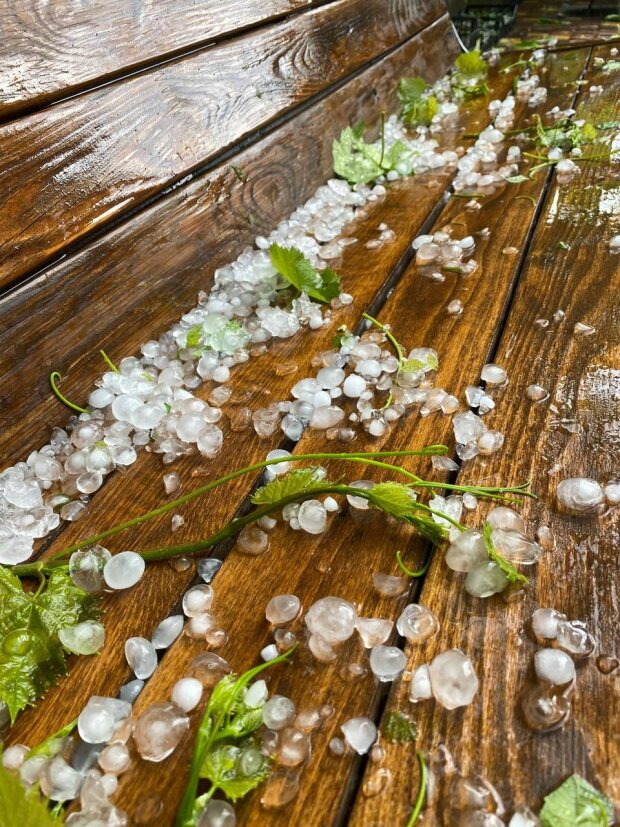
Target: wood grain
148, 271
579, 577
69, 170
53, 50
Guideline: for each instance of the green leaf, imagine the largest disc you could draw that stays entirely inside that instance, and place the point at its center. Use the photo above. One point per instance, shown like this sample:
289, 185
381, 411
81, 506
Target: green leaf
354, 160
293, 266
472, 64
194, 336
400, 728
517, 179
417, 108
21, 806
300, 481
576, 804
32, 658
393, 498
222, 767
410, 89
509, 570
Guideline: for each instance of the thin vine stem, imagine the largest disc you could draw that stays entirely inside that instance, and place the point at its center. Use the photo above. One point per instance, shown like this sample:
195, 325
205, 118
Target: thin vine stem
109, 362
364, 458
419, 804
395, 344
418, 572
56, 377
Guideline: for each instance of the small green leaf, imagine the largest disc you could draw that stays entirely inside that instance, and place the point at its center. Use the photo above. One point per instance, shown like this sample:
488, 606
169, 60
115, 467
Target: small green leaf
417, 108
239, 173
21, 806
400, 728
295, 482
517, 179
295, 268
471, 64
393, 498
576, 804
224, 769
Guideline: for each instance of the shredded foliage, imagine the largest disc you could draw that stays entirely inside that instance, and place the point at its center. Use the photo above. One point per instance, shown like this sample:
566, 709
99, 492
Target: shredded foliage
399, 728
32, 659
299, 271
417, 105
576, 804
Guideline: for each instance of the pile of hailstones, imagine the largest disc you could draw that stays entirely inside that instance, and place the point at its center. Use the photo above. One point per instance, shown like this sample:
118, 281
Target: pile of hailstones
149, 401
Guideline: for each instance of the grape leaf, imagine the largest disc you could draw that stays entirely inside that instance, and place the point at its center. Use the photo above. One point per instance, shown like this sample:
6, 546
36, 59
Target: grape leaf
576, 804
416, 107
21, 806
301, 481
354, 159
32, 658
471, 64
293, 266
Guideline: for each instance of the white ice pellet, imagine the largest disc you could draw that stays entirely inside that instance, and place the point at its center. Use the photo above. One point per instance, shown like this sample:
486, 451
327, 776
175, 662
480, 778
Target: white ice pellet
141, 656
167, 632
360, 734
123, 570
186, 693
387, 662
453, 680
579, 495
554, 666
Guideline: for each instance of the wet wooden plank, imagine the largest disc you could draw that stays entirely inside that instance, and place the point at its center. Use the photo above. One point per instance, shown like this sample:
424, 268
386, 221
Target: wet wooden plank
342, 561
148, 272
50, 51
140, 488
573, 433
69, 170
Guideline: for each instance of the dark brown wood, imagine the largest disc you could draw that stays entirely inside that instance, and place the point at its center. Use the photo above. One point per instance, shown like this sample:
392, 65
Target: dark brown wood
53, 50
579, 576
69, 170
147, 272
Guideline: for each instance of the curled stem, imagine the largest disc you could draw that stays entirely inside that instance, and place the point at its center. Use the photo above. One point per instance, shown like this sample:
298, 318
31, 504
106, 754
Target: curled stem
56, 377
419, 804
418, 572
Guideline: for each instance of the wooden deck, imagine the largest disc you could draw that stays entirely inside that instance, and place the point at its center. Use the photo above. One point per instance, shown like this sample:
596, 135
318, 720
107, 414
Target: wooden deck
118, 204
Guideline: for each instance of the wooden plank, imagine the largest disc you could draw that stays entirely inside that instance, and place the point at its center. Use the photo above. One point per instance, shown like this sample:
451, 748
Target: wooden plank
579, 577
148, 271
47, 52
69, 170
365, 270
342, 561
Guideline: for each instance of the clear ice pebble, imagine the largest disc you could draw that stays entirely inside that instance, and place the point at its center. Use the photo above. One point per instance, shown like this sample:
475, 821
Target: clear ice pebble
98, 720
554, 666
158, 731
373, 630
573, 637
516, 547
256, 694
269, 652
360, 734
282, 609
59, 781
506, 519
252, 540
130, 691
579, 495
485, 580
545, 624
197, 600
15, 550
141, 657
217, 813
467, 427
420, 685
115, 758
312, 517
494, 375
524, 817
453, 680
84, 638
208, 568
359, 502
417, 623
387, 662
123, 570
167, 632
86, 568
332, 619
278, 712
326, 416
466, 552
186, 693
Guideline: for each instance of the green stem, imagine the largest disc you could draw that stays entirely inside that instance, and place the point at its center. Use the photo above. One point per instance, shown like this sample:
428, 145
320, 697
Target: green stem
418, 572
55, 376
109, 362
439, 450
207, 733
419, 804
382, 139
397, 347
